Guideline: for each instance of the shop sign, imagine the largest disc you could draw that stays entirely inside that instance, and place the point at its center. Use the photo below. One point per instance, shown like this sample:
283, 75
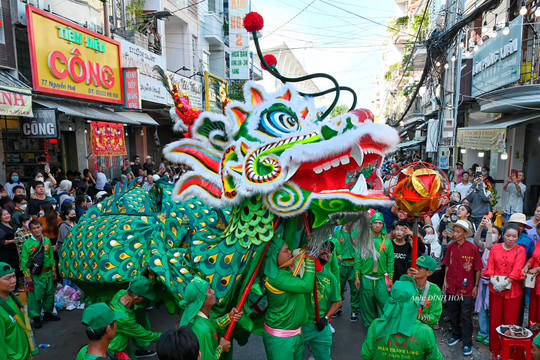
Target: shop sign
498, 62
70, 60
44, 125
215, 93
191, 87
134, 56
15, 103
482, 139
238, 40
131, 88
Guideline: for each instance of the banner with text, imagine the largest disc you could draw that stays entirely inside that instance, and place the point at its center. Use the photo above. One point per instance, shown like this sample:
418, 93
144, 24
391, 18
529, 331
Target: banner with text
15, 103
134, 56
482, 139
238, 40
131, 88
70, 60
108, 139
191, 87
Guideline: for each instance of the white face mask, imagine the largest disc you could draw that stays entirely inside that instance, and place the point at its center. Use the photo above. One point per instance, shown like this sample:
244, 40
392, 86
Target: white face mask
40, 179
23, 207
41, 213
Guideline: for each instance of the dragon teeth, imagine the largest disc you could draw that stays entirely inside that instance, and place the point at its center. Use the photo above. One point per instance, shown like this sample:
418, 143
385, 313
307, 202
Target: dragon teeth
318, 170
335, 163
357, 154
327, 166
344, 160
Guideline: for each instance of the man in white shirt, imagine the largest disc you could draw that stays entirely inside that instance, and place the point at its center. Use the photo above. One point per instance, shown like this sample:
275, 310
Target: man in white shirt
464, 186
516, 189
101, 179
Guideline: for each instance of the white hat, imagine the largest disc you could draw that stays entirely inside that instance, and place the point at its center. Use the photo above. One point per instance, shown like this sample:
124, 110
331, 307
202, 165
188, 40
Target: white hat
464, 224
148, 157
519, 218
156, 177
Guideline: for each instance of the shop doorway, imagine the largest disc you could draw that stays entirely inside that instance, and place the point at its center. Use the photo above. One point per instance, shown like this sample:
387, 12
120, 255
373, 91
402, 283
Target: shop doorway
532, 171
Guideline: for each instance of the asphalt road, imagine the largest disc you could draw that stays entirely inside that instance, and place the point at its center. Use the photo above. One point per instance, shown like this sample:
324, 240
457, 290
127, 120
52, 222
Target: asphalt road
67, 336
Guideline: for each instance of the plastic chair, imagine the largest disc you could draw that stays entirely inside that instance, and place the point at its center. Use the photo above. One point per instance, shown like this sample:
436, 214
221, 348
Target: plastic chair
522, 346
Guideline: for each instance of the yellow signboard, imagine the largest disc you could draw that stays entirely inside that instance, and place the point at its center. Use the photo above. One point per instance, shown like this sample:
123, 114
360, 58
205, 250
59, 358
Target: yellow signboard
70, 60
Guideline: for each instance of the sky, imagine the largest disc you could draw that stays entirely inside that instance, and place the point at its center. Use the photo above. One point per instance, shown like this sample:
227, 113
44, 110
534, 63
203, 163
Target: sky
327, 39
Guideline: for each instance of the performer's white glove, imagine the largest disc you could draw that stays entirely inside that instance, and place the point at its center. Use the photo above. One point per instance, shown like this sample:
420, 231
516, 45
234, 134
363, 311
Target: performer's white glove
493, 281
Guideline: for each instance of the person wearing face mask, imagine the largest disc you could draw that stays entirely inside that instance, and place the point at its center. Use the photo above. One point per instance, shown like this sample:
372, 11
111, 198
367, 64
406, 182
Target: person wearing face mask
64, 228
13, 181
21, 203
8, 244
48, 182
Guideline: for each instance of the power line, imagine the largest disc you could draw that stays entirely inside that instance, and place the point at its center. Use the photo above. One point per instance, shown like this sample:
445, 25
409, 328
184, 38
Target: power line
291, 19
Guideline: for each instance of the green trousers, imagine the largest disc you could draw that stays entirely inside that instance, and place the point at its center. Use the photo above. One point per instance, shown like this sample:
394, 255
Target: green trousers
372, 299
283, 348
346, 274
320, 342
42, 296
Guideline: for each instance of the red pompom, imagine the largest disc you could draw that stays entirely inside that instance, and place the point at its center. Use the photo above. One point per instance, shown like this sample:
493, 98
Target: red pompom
270, 60
253, 22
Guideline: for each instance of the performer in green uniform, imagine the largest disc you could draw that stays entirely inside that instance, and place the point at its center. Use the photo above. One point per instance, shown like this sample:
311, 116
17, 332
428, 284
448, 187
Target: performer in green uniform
125, 301
40, 283
344, 238
286, 311
397, 334
199, 298
16, 341
373, 274
318, 335
100, 324
536, 348
429, 295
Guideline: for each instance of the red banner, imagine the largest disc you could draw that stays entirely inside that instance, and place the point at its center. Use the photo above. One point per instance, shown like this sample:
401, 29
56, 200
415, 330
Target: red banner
108, 139
131, 88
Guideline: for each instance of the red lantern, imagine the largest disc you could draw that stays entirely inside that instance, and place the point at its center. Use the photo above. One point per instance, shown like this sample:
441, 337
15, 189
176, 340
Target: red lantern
53, 141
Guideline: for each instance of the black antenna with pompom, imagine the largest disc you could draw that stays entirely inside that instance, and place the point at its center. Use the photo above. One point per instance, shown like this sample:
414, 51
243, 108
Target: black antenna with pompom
254, 22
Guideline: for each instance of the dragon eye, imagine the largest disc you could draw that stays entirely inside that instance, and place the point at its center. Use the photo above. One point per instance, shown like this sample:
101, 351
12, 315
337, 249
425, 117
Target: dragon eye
278, 122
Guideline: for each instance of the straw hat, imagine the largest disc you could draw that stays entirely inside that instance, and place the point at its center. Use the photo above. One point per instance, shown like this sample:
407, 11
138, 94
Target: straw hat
519, 218
464, 224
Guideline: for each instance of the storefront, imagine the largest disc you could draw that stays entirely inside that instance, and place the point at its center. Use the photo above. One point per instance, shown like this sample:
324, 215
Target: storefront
77, 73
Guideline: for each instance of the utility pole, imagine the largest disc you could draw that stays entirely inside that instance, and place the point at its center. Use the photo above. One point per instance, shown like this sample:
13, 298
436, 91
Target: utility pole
106, 27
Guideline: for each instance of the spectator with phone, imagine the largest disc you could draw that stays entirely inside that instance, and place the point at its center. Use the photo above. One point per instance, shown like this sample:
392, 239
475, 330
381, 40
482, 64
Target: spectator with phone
464, 186
479, 198
516, 192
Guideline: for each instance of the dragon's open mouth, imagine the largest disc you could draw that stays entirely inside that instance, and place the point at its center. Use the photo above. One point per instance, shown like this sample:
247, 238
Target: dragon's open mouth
335, 174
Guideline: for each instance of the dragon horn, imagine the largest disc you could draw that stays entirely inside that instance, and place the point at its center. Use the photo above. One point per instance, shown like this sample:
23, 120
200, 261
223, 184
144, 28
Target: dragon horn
165, 79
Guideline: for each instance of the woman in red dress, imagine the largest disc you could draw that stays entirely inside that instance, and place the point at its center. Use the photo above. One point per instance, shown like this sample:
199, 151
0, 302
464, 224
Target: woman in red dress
505, 270
533, 267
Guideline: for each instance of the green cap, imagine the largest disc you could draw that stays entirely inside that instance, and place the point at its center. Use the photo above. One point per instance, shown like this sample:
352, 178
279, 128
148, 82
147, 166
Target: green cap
536, 340
142, 287
99, 315
5, 269
427, 262
377, 215
194, 297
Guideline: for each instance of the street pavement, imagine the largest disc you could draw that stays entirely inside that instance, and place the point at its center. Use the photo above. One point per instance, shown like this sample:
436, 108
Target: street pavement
67, 336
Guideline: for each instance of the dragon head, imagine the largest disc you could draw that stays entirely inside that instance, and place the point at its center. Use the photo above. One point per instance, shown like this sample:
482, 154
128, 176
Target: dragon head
275, 146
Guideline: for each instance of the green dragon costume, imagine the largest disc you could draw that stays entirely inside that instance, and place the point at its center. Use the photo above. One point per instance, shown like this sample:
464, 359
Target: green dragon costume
271, 157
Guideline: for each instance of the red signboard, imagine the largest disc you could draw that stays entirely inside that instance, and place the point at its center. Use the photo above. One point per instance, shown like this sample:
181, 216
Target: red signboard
108, 139
132, 92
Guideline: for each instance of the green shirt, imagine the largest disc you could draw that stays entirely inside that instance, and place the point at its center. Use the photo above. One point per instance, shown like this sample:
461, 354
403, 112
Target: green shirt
327, 292
206, 332
344, 247
29, 247
83, 355
13, 341
385, 263
432, 310
286, 300
420, 345
127, 327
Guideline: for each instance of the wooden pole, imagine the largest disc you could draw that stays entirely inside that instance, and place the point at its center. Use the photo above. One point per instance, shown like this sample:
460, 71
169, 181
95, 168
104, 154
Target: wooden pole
415, 242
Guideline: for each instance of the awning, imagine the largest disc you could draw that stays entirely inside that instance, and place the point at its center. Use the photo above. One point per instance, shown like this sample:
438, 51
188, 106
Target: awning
86, 112
409, 143
140, 117
491, 136
15, 96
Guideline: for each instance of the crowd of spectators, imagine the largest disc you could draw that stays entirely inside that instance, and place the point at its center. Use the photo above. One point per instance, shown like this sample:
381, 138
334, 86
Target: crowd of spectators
59, 199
